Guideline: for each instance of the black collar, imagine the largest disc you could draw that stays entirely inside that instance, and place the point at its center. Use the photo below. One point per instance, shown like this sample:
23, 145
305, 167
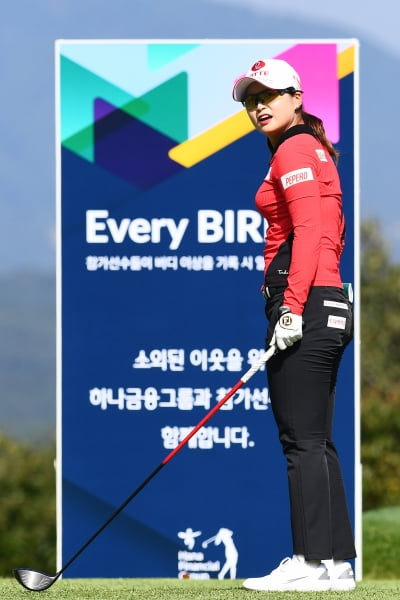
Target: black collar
295, 130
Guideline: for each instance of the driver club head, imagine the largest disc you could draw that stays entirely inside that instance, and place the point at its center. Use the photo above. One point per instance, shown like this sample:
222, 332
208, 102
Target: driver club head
35, 581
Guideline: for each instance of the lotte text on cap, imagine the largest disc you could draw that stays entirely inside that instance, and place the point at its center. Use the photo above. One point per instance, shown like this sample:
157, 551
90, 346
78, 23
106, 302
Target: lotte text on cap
272, 73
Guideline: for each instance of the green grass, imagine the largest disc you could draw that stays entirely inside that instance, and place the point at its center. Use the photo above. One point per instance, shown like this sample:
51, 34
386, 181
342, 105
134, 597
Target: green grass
381, 543
179, 589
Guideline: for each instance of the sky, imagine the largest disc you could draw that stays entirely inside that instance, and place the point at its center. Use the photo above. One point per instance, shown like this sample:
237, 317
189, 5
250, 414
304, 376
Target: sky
367, 19
27, 142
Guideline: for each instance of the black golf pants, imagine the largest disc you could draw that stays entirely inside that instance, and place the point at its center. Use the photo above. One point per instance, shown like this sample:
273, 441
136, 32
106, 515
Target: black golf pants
302, 382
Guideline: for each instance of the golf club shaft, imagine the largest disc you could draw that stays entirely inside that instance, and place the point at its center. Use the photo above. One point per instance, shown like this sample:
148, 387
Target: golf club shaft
256, 367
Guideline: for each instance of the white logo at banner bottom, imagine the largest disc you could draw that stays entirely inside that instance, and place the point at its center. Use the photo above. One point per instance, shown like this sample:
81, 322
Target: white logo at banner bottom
194, 564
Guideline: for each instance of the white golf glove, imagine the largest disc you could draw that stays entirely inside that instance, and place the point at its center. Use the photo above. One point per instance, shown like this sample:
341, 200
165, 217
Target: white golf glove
289, 328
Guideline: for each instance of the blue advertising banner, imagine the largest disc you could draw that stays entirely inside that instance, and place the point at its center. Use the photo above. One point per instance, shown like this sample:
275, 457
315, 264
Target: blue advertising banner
159, 310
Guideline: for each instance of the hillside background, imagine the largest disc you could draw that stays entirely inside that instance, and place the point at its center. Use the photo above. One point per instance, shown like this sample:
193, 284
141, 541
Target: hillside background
27, 354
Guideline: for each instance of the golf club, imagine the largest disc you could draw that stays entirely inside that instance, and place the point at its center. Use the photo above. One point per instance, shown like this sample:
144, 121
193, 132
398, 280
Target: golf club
37, 581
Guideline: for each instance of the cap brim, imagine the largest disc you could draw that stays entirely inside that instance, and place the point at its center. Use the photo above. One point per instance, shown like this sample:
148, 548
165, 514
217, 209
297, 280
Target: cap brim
240, 87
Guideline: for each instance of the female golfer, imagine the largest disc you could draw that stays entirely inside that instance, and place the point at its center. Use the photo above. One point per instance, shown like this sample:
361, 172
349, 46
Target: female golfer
310, 322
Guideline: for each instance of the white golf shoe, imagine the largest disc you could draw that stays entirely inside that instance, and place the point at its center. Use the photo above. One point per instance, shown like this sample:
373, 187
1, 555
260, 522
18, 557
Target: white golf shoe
341, 575
293, 574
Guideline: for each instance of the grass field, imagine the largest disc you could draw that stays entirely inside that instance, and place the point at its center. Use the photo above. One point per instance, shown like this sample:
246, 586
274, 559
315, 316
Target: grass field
381, 543
180, 589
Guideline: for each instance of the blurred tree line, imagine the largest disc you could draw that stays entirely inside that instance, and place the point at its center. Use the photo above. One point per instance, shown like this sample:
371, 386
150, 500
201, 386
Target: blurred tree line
27, 475
28, 506
380, 371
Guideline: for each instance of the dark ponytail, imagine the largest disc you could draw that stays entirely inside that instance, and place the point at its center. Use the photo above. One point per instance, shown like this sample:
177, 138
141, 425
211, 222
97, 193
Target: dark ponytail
317, 126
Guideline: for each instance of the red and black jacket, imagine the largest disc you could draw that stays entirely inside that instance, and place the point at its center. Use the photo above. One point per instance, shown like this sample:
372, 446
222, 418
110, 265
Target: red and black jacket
301, 199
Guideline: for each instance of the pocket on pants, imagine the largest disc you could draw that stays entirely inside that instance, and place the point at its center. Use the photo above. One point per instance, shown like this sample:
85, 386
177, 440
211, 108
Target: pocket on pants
338, 314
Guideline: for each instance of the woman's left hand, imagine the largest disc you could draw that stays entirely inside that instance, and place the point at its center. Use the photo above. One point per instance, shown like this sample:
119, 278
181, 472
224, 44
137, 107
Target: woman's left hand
289, 328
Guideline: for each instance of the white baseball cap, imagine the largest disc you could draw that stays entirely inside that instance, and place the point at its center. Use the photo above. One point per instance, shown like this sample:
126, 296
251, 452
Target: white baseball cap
272, 73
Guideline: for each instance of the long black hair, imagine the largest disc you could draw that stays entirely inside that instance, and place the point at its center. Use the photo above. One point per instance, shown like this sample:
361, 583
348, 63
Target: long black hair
316, 124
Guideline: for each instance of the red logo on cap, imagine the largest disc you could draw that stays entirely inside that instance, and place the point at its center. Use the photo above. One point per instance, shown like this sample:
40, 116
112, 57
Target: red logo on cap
258, 65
